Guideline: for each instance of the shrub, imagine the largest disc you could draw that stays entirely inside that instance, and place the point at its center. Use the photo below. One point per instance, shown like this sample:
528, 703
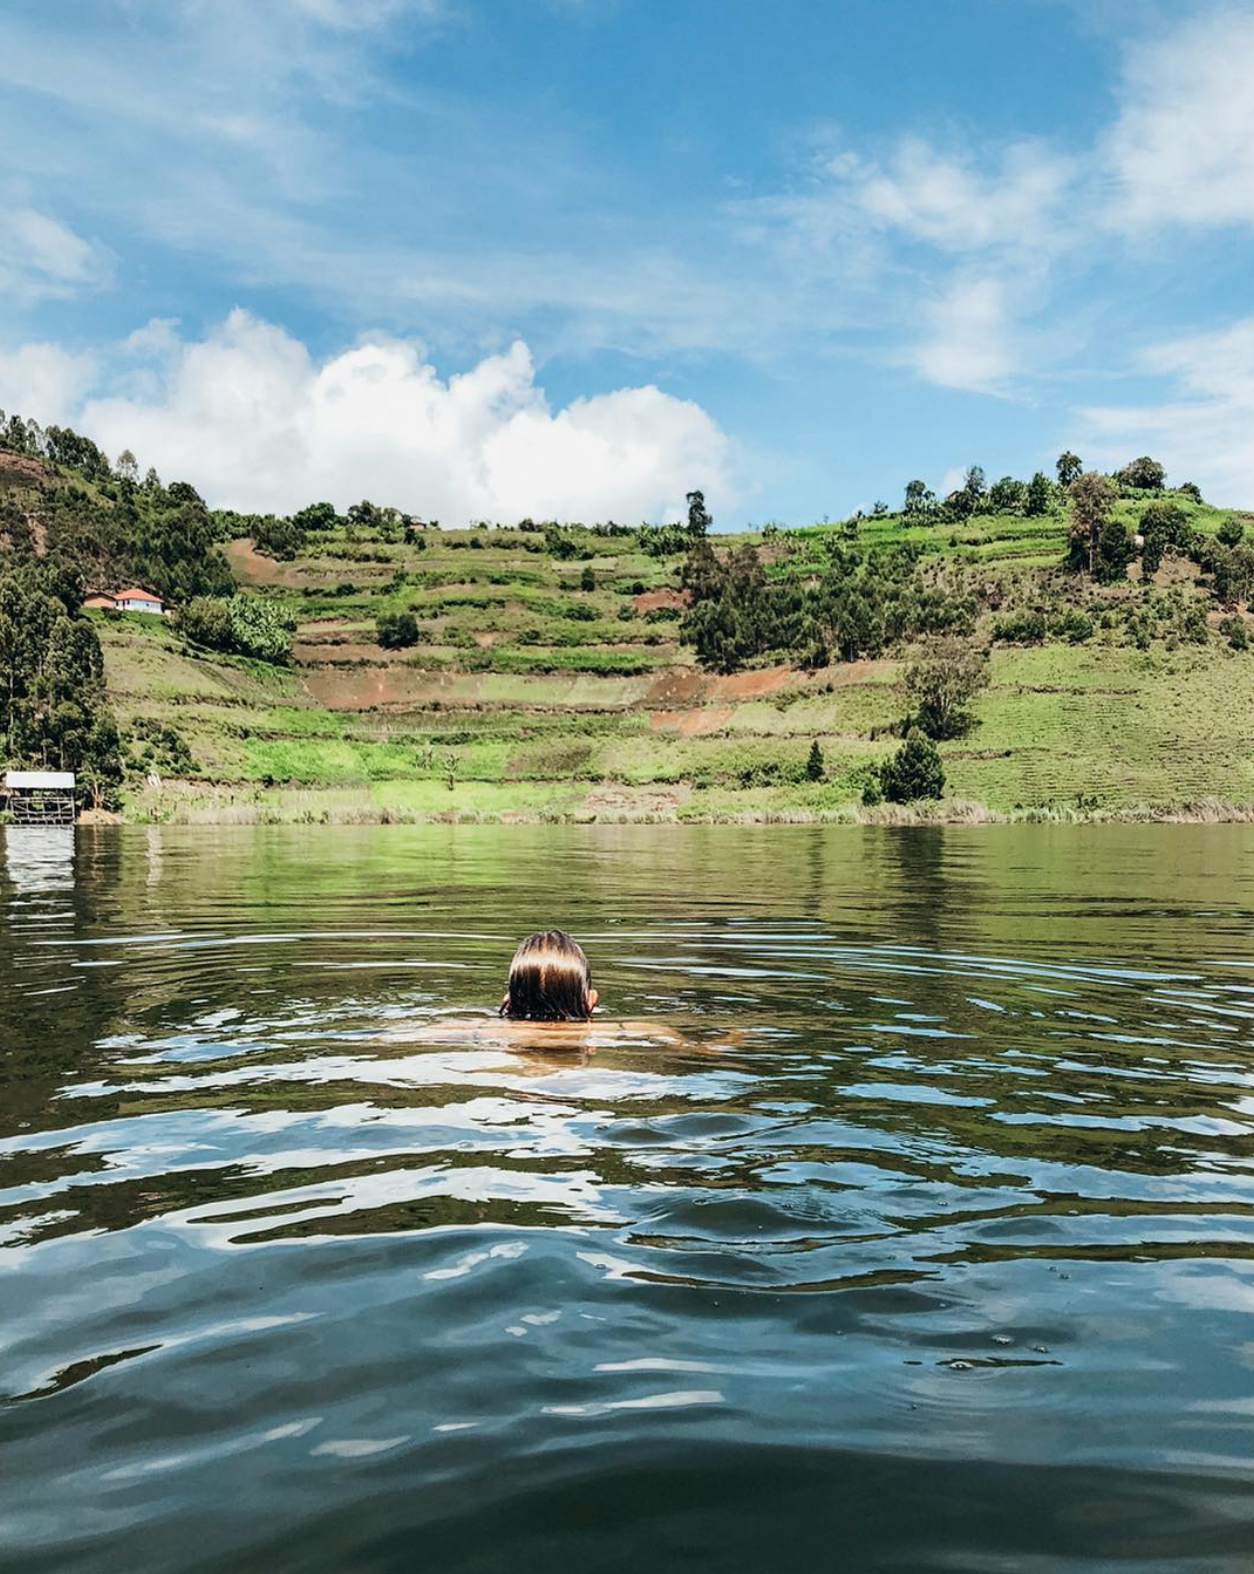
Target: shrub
587, 580
914, 772
157, 748
1192, 626
662, 615
1020, 628
1075, 627
1231, 532
206, 621
278, 538
243, 626
771, 773
663, 540
1235, 632
814, 763
397, 630
260, 628
872, 791
1190, 489
1232, 573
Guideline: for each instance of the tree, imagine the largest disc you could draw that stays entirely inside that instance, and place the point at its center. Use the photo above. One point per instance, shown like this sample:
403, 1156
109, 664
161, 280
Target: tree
914, 772
1115, 551
587, 580
814, 764
1163, 526
1092, 497
699, 520
944, 677
397, 630
1231, 532
364, 515
53, 710
1007, 495
1232, 574
127, 467
919, 498
1038, 496
316, 516
1070, 467
278, 537
1145, 474
973, 483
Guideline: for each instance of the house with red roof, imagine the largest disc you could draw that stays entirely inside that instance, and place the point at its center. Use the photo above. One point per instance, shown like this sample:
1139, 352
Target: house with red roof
134, 599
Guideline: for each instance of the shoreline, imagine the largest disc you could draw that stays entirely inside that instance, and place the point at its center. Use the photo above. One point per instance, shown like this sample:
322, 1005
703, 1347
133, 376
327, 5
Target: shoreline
304, 808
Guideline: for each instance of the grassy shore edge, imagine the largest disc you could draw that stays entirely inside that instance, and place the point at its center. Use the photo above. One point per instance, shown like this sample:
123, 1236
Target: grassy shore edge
304, 807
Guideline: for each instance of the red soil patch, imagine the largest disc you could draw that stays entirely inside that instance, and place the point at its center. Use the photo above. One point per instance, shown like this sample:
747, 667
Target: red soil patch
686, 686
664, 596
22, 470
698, 722
697, 702
251, 567
308, 653
364, 688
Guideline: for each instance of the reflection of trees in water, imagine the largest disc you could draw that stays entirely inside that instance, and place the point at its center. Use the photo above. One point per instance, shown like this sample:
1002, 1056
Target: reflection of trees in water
57, 1010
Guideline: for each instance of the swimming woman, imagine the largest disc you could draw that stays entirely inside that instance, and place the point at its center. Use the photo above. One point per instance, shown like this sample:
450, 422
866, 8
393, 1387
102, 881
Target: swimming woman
549, 1003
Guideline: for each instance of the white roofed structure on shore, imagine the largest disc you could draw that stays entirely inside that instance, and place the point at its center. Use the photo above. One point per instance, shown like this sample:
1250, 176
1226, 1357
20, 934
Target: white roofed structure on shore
40, 797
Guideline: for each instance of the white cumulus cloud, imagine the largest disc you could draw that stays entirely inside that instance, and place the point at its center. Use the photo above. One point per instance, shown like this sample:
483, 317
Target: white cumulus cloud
44, 382
256, 422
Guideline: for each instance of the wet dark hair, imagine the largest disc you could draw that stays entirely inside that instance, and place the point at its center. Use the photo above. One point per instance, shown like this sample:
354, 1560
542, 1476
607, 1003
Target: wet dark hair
549, 980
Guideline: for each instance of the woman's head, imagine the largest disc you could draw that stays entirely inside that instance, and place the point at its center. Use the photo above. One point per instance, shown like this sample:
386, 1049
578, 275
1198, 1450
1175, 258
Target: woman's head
549, 980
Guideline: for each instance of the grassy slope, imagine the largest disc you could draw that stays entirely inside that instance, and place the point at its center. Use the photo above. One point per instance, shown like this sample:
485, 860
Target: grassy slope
533, 697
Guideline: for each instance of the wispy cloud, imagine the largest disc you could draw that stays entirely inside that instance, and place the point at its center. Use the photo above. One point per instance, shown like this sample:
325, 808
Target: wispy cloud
1206, 427
41, 258
1182, 148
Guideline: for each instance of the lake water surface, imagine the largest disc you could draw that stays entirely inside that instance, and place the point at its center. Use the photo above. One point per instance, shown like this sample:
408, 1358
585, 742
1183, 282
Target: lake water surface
931, 1249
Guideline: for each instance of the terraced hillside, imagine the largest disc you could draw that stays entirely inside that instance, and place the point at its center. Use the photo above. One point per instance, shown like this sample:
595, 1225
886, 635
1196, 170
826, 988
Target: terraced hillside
545, 685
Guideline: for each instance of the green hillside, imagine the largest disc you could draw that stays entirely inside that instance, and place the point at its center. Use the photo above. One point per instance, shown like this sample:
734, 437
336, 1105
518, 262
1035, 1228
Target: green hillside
558, 672
531, 696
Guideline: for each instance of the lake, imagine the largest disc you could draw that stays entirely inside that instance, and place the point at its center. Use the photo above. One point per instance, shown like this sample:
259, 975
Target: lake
929, 1248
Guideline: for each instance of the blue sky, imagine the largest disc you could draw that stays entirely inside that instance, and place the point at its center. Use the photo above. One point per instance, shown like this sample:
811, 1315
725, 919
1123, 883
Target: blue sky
483, 258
